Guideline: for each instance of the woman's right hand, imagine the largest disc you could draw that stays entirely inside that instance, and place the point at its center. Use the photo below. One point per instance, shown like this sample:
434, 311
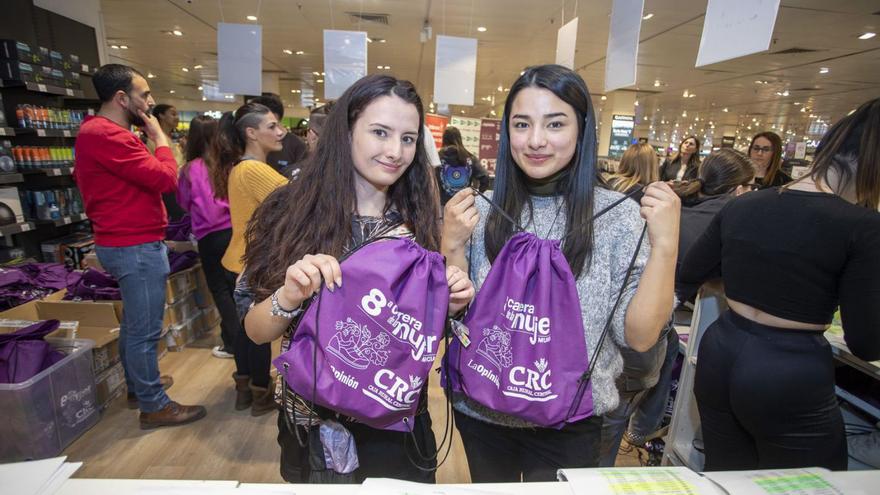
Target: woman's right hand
460, 216
303, 279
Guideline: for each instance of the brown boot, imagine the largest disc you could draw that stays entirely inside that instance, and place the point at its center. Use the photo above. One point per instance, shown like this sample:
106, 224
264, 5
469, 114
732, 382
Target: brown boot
166, 382
243, 394
172, 414
264, 400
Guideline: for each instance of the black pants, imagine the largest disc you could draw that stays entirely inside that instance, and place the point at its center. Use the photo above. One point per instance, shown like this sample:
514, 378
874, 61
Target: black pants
498, 454
221, 283
766, 398
381, 453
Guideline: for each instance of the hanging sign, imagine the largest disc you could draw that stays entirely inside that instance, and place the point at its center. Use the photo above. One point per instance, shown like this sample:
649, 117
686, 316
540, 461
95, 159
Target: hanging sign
240, 58
345, 60
455, 70
621, 59
735, 28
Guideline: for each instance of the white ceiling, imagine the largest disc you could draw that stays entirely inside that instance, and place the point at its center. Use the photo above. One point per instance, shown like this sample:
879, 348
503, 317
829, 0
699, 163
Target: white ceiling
522, 33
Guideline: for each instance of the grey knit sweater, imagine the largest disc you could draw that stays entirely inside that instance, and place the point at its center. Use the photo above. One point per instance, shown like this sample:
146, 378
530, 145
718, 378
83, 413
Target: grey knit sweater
615, 236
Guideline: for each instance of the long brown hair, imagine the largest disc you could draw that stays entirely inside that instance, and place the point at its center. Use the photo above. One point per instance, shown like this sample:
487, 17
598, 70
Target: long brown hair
720, 173
851, 148
314, 213
694, 160
200, 138
776, 160
228, 147
638, 165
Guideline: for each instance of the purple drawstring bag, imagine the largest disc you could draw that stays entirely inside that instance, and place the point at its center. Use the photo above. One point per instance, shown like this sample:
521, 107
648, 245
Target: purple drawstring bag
377, 335
24, 353
179, 230
527, 356
93, 285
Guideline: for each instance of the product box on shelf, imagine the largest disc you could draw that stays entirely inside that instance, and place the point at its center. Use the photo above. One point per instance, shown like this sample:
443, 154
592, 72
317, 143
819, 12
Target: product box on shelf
72, 80
44, 414
71, 250
56, 60
71, 62
2, 113
7, 157
21, 71
10, 206
180, 284
18, 50
181, 310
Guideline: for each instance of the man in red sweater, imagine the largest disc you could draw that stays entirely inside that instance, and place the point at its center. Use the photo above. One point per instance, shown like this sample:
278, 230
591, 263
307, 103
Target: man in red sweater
122, 185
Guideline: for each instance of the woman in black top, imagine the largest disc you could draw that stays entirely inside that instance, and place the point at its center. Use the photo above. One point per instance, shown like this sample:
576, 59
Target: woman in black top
458, 167
685, 164
766, 153
788, 258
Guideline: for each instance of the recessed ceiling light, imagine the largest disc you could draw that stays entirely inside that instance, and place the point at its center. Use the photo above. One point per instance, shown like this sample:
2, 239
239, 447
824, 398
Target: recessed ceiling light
685, 94
724, 109
287, 51
172, 91
204, 98
824, 70
184, 69
251, 18
657, 83
323, 74
197, 67
604, 98
300, 52
867, 36
177, 32
636, 103
124, 47
387, 67
316, 73
150, 75
647, 16
481, 29
369, 40
379, 67
319, 81
382, 40
115, 47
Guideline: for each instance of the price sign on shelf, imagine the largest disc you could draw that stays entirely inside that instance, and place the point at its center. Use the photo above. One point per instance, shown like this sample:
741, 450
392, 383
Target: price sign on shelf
41, 87
69, 92
2, 131
66, 133
41, 132
66, 220
54, 171
26, 227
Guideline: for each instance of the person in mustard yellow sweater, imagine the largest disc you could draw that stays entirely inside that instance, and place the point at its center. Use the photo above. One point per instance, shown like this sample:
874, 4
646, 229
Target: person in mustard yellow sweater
239, 173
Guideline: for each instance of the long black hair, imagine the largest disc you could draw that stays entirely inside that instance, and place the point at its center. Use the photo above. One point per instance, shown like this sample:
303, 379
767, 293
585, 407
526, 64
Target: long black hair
581, 176
314, 213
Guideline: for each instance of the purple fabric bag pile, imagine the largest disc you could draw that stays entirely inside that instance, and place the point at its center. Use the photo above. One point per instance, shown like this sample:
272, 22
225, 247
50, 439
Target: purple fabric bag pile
26, 282
179, 230
365, 350
93, 285
24, 353
181, 261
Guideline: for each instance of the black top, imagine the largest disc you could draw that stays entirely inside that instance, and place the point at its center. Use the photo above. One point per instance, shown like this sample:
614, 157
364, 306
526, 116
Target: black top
780, 179
696, 216
293, 150
797, 255
669, 170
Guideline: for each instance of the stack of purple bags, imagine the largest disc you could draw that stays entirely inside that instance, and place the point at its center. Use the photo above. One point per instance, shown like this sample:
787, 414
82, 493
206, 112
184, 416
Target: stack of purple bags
26, 282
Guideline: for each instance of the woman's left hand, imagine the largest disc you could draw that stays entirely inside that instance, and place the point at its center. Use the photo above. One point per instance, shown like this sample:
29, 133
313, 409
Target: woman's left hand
661, 208
461, 289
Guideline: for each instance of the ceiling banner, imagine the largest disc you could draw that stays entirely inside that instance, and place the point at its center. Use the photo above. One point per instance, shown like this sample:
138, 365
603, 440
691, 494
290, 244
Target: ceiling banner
566, 41
240, 58
735, 28
455, 70
345, 60
622, 57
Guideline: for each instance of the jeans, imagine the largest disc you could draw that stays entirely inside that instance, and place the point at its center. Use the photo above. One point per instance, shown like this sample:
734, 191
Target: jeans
142, 272
221, 282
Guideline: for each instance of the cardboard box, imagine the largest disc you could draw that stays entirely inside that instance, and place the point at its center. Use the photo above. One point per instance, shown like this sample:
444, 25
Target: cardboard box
181, 334
70, 250
66, 329
181, 311
9, 197
180, 285
109, 385
204, 298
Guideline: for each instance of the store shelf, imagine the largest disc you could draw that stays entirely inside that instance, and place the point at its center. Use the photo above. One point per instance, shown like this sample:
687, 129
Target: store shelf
46, 132
65, 169
12, 178
67, 220
17, 228
43, 88
7, 131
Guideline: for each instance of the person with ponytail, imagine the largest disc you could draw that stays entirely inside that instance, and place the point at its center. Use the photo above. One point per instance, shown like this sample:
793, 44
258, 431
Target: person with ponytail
637, 169
765, 152
789, 257
369, 179
547, 185
240, 175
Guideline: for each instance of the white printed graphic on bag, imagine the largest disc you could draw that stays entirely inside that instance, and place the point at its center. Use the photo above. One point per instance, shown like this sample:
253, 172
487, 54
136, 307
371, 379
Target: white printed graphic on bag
495, 347
393, 392
356, 347
521, 318
531, 384
403, 326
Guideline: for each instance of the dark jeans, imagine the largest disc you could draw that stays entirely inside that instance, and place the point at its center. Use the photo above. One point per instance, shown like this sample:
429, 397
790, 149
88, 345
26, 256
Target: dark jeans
221, 282
381, 453
251, 359
498, 454
766, 398
142, 272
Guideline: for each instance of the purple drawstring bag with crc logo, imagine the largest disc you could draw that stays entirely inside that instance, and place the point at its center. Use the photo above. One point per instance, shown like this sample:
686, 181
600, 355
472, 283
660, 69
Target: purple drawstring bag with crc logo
527, 354
377, 335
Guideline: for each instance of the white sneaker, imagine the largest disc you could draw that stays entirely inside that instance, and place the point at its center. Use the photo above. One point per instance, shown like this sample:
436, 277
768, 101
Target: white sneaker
219, 352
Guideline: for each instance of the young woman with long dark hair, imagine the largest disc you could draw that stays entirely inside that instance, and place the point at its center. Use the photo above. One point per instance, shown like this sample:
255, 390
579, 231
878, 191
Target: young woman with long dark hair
369, 178
765, 152
788, 258
685, 163
240, 174
547, 178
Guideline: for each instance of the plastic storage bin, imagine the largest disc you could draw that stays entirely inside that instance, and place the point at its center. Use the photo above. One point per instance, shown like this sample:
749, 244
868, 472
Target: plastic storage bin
43, 415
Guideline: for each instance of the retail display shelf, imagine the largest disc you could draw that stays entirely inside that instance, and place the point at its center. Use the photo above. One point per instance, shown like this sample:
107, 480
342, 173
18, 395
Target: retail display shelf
65, 220
47, 132
17, 228
11, 178
65, 169
43, 88
7, 131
